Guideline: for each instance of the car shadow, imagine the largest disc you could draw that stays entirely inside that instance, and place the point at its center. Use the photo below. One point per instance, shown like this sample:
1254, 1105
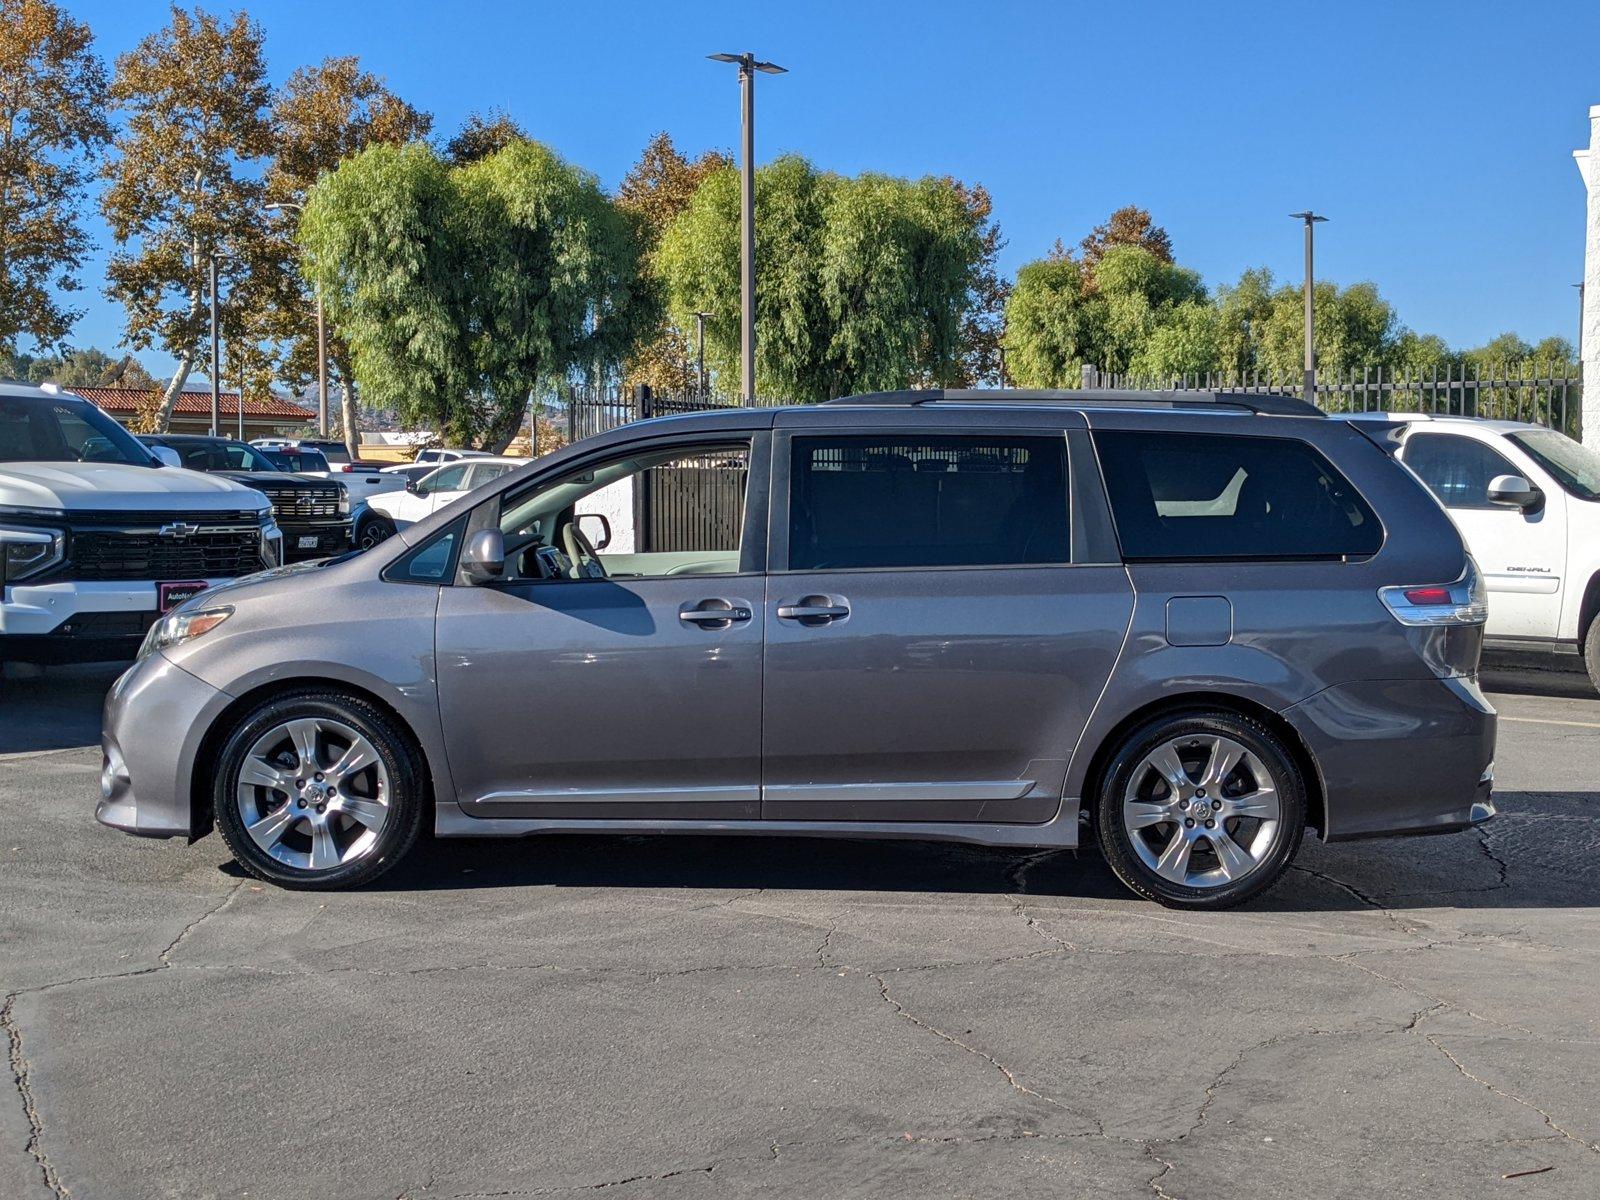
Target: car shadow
53, 708
1465, 870
1563, 679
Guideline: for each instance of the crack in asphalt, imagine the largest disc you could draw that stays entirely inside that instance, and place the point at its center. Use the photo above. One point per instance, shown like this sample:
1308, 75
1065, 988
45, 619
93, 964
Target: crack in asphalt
21, 1077
1433, 1041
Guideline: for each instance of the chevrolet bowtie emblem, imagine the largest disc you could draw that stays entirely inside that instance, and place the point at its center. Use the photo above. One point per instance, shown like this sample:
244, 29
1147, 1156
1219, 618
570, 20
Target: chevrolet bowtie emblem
178, 529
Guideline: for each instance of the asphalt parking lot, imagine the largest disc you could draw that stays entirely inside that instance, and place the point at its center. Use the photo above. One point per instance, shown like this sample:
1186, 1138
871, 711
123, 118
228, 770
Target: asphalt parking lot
697, 1017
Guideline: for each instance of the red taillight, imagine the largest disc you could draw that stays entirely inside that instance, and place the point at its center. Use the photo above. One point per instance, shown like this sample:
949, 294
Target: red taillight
1428, 595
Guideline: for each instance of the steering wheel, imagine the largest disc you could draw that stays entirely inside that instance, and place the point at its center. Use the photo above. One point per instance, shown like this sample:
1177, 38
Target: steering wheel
585, 563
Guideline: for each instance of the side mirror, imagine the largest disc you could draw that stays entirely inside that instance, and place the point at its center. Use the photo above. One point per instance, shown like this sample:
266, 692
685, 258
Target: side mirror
596, 528
165, 455
1515, 492
483, 558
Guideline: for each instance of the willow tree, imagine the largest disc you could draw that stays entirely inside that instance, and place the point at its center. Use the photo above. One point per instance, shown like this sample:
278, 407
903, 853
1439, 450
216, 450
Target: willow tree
862, 282
461, 289
184, 182
52, 126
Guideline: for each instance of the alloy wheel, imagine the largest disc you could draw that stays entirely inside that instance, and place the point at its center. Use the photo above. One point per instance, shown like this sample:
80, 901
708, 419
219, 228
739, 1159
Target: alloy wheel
313, 793
1201, 810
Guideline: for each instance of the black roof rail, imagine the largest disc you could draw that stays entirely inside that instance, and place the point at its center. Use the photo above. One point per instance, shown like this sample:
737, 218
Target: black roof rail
1264, 403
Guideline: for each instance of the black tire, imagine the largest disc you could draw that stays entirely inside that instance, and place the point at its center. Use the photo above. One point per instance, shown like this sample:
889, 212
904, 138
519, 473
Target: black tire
1591, 652
407, 793
1281, 843
374, 531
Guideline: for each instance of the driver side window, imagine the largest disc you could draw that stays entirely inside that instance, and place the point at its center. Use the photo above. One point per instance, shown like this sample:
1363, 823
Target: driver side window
655, 513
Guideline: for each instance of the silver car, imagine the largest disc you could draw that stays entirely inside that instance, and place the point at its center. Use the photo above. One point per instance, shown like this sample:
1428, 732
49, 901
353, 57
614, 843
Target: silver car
1187, 625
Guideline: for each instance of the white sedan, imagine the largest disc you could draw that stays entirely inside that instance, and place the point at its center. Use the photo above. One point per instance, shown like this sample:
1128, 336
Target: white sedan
392, 510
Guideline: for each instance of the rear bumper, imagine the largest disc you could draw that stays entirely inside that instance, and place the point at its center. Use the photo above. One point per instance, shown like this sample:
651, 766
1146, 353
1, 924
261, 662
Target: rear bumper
1400, 756
156, 715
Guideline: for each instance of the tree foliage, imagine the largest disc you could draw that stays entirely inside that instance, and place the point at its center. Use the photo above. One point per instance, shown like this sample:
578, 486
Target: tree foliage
322, 116
184, 181
461, 289
52, 127
482, 135
91, 367
1128, 226
861, 282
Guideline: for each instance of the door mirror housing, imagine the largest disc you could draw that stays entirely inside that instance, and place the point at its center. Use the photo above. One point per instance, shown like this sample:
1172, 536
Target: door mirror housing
596, 528
1515, 492
165, 455
483, 558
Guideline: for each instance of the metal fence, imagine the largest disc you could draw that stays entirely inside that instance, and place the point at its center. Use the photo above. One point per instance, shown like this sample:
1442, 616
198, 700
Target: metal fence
1541, 394
589, 412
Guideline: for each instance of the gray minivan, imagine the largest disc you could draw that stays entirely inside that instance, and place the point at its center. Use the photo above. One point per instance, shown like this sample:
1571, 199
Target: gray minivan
1189, 625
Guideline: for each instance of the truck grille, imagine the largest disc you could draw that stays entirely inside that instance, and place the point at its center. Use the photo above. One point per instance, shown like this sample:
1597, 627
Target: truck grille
213, 552
303, 503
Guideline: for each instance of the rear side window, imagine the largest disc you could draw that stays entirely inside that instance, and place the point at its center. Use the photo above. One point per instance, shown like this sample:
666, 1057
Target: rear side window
936, 501
1179, 496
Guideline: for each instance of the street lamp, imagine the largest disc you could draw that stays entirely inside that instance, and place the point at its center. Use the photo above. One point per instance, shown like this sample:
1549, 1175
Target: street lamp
748, 65
700, 319
322, 337
216, 348
1310, 394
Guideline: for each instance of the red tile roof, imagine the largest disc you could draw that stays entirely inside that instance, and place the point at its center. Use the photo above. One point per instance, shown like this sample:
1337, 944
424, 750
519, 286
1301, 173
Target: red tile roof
119, 401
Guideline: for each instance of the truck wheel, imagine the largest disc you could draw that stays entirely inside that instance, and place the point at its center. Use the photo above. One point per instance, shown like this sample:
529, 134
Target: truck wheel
1591, 652
373, 531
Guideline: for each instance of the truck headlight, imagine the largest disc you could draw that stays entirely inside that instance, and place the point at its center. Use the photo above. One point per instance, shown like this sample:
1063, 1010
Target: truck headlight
28, 551
182, 625
344, 501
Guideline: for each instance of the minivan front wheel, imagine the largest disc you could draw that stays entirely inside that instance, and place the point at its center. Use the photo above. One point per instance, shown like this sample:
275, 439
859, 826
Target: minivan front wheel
318, 789
1201, 809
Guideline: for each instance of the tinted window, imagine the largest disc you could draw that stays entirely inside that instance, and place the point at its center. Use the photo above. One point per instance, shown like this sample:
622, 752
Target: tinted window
927, 502
451, 479
1456, 469
1198, 496
50, 429
298, 460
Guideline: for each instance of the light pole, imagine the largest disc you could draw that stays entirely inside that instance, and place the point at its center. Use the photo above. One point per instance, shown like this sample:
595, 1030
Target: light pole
748, 65
1310, 395
322, 336
216, 350
700, 349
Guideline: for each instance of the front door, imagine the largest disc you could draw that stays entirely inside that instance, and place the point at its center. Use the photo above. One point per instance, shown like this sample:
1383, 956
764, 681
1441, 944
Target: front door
1522, 554
933, 649
616, 670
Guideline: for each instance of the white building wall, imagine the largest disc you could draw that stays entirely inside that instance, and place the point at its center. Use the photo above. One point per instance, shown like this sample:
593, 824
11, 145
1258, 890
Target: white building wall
1589, 167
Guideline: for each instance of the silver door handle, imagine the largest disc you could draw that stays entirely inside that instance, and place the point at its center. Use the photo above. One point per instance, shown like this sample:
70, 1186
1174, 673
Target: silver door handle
807, 612
709, 616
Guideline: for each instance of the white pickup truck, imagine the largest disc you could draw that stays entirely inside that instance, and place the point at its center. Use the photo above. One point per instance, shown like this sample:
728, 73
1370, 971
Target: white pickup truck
99, 534
1527, 501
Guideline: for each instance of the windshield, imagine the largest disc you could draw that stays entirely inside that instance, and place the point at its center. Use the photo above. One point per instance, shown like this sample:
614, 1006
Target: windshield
1576, 467
64, 429
201, 455
297, 460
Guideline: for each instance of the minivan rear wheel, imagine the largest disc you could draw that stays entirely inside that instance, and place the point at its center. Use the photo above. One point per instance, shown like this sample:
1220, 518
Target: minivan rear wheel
1201, 809
319, 790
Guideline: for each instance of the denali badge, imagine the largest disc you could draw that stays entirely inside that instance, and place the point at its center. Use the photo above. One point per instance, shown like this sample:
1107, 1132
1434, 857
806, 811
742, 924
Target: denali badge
178, 529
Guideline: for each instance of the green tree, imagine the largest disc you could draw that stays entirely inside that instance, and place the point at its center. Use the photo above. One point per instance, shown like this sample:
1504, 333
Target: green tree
861, 282
324, 115
1128, 226
459, 290
184, 182
1052, 326
52, 127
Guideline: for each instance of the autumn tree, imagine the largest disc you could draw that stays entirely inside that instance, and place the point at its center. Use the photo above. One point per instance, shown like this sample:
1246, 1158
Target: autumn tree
861, 282
481, 135
324, 115
52, 127
184, 182
459, 290
1128, 226
655, 191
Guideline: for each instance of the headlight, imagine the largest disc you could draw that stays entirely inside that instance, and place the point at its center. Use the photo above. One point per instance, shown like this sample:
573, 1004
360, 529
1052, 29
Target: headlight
28, 551
183, 625
344, 501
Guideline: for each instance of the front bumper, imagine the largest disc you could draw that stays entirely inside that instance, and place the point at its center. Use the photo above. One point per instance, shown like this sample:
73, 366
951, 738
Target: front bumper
156, 715
77, 621
320, 539
1400, 756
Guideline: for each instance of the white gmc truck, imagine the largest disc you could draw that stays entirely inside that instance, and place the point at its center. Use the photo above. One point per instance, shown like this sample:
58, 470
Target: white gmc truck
100, 535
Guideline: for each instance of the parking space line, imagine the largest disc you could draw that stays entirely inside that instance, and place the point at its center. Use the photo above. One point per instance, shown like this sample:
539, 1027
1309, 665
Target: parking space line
1548, 721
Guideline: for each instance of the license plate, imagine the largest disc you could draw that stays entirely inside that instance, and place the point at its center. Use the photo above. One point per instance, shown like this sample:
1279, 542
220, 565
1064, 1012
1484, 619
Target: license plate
170, 595
308, 541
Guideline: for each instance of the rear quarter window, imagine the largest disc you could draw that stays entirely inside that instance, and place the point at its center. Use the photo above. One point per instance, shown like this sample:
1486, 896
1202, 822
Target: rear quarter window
1184, 496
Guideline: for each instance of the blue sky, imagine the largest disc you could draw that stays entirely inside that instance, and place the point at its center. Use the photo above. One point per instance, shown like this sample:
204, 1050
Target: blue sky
1437, 136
